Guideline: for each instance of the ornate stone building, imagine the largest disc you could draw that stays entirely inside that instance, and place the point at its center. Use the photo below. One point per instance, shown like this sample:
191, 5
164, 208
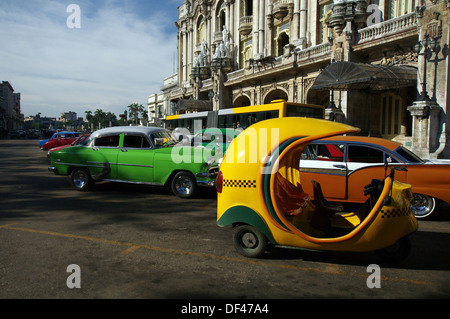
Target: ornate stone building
360, 58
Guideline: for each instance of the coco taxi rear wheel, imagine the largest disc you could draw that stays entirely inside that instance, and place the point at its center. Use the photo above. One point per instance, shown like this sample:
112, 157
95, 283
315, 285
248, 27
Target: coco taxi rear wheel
397, 252
249, 241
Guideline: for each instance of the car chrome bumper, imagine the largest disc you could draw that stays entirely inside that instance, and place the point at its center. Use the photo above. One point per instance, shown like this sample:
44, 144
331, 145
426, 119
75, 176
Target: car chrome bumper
206, 183
211, 173
53, 169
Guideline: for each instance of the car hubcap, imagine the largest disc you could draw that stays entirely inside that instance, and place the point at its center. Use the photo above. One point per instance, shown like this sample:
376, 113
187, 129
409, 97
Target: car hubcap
80, 180
249, 240
422, 205
183, 185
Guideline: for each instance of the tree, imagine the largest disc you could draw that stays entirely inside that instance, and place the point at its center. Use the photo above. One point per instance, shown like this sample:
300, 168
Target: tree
136, 112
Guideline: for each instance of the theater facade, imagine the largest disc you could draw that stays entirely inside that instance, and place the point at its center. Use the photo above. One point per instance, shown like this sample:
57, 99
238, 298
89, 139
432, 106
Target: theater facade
380, 65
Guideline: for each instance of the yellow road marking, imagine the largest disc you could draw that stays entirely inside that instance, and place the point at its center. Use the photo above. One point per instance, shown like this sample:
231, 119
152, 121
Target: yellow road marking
330, 269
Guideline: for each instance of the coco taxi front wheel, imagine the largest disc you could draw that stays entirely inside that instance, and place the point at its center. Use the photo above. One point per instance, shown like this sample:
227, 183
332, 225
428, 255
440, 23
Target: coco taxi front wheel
249, 241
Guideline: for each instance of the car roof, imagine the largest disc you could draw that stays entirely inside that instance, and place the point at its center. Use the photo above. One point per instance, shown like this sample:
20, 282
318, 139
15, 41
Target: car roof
388, 144
128, 129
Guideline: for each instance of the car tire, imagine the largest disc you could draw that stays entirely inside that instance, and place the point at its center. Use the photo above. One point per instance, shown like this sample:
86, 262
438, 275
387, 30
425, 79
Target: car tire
184, 185
423, 206
249, 241
397, 252
81, 180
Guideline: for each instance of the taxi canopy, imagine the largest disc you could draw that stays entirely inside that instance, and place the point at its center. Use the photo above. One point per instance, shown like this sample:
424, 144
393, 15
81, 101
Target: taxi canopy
267, 138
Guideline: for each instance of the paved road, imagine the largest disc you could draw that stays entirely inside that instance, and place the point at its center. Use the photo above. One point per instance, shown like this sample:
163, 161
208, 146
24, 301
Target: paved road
142, 242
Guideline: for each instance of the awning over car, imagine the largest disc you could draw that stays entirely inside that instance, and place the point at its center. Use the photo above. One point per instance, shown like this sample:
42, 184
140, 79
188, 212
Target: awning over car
358, 76
193, 105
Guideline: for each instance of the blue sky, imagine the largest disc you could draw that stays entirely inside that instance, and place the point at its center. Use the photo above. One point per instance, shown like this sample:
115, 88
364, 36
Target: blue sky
120, 54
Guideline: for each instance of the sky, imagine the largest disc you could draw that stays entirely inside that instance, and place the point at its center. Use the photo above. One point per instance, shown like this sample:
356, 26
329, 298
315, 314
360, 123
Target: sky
98, 54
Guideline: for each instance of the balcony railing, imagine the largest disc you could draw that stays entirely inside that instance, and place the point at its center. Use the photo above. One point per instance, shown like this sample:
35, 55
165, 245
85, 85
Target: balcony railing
246, 25
281, 8
323, 49
380, 30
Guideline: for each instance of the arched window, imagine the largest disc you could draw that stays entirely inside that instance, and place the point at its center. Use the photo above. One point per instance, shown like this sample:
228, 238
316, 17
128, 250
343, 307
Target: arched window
220, 16
283, 39
241, 101
276, 95
201, 30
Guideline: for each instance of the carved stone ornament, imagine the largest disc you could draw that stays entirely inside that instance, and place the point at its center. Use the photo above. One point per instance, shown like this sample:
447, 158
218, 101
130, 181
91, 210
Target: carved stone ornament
434, 27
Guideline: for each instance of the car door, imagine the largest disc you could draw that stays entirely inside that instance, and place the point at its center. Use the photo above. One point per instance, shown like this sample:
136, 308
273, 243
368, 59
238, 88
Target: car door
135, 159
365, 162
325, 163
103, 156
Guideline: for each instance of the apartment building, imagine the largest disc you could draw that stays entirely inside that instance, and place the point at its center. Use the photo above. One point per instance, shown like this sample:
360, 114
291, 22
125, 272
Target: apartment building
10, 116
380, 65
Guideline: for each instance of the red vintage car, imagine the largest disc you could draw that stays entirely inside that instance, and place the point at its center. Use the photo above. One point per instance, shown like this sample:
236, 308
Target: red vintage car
343, 165
62, 138
80, 140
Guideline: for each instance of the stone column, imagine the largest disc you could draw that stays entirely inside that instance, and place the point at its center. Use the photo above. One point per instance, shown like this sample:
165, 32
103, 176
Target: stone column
303, 23
261, 28
424, 114
255, 44
295, 28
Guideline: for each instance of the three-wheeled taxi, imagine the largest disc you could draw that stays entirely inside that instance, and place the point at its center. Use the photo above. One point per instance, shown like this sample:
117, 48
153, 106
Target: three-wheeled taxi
260, 194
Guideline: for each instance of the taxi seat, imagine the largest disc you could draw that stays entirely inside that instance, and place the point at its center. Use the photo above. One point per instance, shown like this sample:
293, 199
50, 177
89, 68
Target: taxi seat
289, 197
324, 209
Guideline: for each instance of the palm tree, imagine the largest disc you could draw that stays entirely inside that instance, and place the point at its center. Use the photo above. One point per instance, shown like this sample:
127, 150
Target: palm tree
134, 111
88, 118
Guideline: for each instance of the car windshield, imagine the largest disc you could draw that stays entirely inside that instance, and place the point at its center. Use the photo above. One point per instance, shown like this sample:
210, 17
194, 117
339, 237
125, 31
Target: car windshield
408, 155
168, 138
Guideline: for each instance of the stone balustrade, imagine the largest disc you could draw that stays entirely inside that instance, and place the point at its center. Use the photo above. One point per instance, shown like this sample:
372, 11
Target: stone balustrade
380, 30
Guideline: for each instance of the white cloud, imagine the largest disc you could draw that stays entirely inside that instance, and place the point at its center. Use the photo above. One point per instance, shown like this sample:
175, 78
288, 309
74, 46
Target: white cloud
116, 58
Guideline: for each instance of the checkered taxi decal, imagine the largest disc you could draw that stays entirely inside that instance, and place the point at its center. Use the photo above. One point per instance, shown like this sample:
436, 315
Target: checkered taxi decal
392, 213
244, 183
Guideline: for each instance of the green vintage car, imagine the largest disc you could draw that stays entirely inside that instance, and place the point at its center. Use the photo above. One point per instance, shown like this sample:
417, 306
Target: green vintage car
142, 155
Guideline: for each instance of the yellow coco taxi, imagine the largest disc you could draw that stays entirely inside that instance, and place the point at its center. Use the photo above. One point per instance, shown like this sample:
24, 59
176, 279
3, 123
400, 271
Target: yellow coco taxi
260, 194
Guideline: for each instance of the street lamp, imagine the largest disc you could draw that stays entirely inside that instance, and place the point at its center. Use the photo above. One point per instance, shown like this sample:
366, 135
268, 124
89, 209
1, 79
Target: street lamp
429, 45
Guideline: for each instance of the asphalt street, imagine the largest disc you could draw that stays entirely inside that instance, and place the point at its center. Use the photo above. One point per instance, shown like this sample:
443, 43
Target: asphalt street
141, 242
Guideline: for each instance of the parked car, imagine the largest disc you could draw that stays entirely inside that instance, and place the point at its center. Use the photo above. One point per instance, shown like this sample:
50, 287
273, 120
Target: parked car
338, 162
58, 138
17, 134
33, 133
80, 140
142, 155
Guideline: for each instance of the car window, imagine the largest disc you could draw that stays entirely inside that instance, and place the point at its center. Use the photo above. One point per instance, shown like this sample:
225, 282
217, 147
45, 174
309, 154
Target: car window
107, 141
135, 141
408, 155
364, 154
169, 140
325, 152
